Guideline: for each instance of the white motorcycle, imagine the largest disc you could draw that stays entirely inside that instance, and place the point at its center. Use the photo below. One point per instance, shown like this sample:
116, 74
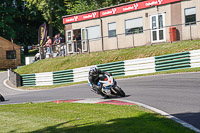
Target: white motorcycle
109, 87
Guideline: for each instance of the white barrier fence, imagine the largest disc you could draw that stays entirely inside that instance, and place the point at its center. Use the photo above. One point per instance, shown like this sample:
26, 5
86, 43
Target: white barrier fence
139, 66
194, 58
126, 68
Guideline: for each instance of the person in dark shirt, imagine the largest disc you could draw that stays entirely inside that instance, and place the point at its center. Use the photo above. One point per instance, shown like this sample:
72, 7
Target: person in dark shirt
94, 79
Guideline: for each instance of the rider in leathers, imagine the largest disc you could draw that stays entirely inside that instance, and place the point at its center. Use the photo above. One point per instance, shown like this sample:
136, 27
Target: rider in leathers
94, 79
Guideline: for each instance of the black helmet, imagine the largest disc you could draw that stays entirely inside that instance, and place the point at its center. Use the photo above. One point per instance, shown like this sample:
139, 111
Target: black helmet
93, 71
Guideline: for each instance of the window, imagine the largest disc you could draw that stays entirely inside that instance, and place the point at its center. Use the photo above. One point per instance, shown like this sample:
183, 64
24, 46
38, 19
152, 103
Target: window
11, 54
111, 29
94, 32
190, 16
133, 26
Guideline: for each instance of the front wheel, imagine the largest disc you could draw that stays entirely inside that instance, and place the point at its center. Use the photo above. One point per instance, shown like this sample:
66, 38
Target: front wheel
1, 98
119, 91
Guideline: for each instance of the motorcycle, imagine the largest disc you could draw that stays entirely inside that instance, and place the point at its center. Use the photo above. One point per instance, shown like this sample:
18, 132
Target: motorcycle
109, 87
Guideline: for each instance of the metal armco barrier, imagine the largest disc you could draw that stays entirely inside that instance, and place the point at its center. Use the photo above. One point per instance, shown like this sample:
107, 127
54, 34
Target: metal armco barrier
116, 68
81, 74
28, 80
61, 77
172, 61
44, 78
180, 60
139, 66
195, 58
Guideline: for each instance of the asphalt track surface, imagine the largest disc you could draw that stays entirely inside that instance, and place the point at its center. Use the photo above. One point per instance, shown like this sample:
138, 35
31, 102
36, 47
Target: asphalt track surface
176, 94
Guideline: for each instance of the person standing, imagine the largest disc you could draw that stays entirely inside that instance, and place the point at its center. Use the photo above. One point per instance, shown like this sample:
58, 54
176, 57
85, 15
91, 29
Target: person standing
48, 45
58, 46
77, 43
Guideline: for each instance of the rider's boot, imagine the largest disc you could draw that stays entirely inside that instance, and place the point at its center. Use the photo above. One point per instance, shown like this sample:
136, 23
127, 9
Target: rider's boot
95, 89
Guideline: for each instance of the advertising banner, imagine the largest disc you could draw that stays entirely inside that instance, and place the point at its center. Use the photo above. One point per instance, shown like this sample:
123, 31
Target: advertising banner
81, 17
117, 10
42, 34
134, 6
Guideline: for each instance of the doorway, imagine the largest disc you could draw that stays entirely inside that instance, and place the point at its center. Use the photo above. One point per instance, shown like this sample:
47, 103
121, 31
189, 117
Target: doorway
157, 28
76, 40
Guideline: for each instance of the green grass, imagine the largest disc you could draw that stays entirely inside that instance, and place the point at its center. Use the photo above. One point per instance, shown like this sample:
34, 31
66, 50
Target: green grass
82, 60
84, 118
49, 86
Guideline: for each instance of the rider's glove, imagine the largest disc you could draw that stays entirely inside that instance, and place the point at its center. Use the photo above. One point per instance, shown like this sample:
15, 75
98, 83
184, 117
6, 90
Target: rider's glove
109, 74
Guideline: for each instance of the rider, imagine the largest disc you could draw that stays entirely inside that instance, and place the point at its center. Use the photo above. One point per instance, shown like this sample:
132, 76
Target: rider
94, 79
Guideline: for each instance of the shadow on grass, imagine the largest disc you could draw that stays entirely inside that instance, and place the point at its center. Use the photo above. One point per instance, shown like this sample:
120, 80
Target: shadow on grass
147, 123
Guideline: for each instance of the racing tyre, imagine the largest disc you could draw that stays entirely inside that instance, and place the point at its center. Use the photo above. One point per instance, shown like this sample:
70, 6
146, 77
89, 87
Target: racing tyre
1, 98
119, 91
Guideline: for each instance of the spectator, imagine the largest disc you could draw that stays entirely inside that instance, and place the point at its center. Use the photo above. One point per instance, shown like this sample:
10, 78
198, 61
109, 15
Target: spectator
58, 46
77, 43
74, 39
48, 45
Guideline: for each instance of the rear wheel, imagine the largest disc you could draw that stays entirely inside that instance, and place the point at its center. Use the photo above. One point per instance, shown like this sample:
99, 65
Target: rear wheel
119, 91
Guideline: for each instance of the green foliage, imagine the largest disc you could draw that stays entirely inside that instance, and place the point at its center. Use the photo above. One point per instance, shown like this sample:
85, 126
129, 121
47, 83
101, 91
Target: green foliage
83, 6
18, 22
20, 19
77, 6
7, 20
51, 10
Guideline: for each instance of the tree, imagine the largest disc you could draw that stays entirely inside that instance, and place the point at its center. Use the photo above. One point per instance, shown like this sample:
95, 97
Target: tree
78, 6
20, 19
52, 11
18, 22
7, 20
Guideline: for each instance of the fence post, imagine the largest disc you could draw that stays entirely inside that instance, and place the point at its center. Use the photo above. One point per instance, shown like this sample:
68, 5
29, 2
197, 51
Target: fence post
102, 41
76, 46
190, 32
66, 51
150, 37
133, 39
65, 44
117, 42
170, 37
88, 43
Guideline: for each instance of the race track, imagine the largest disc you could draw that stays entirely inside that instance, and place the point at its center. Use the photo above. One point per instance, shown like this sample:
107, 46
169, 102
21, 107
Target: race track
176, 94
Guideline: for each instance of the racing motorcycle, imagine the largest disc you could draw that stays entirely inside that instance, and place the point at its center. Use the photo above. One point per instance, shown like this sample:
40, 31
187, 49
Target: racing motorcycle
109, 87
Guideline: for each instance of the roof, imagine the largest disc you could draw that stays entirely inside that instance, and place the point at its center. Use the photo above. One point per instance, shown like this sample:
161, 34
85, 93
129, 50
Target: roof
9, 41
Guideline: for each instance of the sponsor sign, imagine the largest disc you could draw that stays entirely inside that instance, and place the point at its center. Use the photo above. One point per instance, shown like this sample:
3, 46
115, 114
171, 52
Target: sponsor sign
42, 33
134, 6
117, 10
81, 17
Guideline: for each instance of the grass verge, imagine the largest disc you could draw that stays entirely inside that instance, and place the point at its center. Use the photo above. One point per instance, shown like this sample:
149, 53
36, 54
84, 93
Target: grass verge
82, 60
84, 118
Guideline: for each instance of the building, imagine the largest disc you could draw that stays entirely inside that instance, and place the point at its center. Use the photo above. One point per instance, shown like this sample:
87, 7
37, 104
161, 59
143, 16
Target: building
9, 54
143, 22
